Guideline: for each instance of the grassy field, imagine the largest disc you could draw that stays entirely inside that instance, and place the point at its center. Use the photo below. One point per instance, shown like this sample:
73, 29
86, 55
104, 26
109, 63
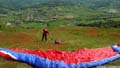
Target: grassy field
72, 39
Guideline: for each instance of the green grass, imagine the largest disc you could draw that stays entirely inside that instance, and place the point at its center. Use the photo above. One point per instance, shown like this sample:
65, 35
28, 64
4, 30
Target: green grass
73, 38
32, 25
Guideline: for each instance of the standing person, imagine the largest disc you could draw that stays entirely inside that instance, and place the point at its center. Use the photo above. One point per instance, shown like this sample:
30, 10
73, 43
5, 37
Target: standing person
45, 33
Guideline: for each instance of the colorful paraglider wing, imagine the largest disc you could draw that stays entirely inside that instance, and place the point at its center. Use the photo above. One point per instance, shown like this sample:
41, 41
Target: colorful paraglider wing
85, 58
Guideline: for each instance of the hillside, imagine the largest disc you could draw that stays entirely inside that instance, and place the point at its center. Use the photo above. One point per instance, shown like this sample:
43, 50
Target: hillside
16, 4
60, 11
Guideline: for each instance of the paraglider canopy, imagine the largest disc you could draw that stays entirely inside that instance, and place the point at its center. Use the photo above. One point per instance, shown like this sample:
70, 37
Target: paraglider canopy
118, 44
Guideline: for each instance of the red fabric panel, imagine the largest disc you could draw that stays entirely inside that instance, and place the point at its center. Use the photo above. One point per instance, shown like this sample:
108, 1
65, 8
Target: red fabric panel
84, 55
